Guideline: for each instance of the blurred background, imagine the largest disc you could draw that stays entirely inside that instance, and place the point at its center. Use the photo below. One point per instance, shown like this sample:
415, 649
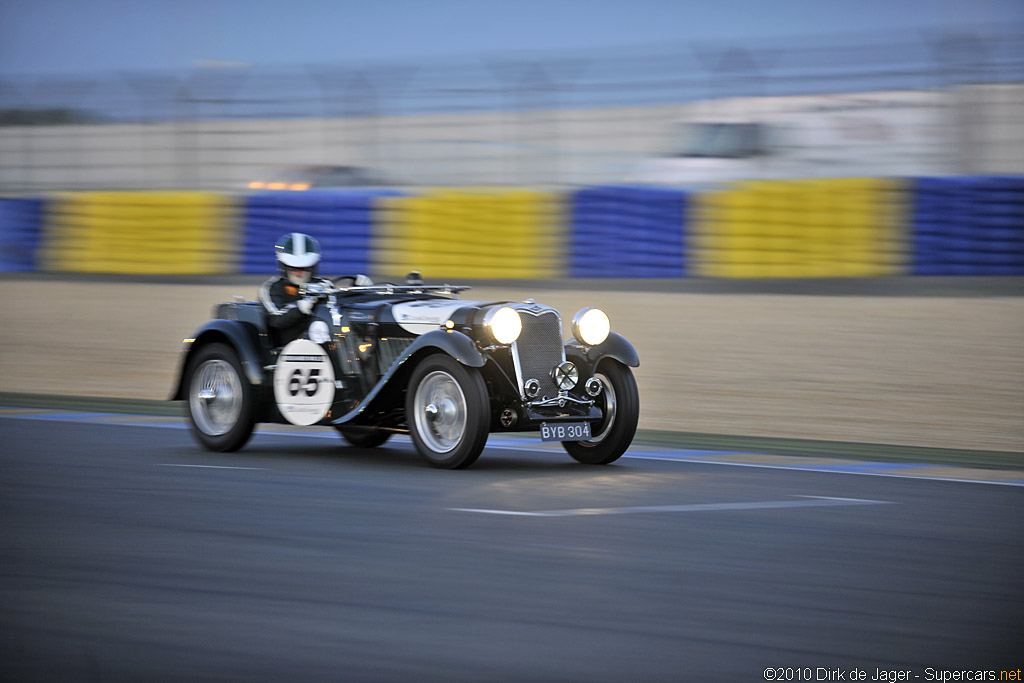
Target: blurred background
894, 135
525, 147
888, 102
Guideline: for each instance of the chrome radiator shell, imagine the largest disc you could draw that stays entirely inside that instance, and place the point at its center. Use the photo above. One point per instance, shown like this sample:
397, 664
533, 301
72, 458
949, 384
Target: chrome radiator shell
539, 348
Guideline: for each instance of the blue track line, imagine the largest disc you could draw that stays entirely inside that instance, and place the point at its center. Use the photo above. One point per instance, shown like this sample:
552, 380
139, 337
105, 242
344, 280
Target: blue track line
518, 442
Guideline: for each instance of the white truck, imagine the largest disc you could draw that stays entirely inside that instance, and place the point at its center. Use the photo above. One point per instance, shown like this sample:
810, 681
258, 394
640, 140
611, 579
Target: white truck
901, 133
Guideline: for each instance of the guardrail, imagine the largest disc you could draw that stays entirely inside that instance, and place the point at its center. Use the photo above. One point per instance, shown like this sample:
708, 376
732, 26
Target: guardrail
21, 222
628, 231
845, 227
188, 233
853, 227
343, 223
968, 226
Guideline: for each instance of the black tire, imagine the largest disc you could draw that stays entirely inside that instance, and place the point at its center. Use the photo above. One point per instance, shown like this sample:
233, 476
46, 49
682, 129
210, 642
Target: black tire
219, 401
364, 437
620, 405
448, 412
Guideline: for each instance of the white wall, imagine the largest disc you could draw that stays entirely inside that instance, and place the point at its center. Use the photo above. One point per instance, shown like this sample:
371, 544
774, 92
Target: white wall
978, 129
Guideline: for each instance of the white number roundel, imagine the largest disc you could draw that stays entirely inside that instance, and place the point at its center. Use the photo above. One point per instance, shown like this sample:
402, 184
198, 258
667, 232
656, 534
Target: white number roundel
303, 382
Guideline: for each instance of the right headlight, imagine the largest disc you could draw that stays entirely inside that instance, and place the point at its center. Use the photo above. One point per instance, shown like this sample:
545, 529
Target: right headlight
504, 324
591, 326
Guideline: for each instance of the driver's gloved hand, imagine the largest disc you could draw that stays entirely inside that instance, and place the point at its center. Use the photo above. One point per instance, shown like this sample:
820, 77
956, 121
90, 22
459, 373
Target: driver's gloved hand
306, 305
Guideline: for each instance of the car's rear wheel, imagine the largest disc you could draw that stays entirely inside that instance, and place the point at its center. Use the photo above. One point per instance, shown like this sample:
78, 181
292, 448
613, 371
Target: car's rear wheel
446, 406
620, 408
364, 437
220, 399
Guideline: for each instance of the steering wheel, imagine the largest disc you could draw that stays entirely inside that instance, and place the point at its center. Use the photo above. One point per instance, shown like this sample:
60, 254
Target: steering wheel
346, 281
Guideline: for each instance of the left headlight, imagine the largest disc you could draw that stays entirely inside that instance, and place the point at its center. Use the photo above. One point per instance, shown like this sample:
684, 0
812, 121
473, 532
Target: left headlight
504, 324
591, 326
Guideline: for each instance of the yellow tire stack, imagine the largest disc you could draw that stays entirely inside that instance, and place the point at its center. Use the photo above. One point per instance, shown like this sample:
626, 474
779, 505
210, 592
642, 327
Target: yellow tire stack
472, 233
187, 233
840, 227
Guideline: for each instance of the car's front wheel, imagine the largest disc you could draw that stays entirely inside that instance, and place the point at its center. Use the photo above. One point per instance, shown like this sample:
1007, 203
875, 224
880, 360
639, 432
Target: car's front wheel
446, 406
620, 403
220, 399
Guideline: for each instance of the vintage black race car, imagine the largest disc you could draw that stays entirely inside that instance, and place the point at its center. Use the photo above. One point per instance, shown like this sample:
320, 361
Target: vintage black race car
382, 359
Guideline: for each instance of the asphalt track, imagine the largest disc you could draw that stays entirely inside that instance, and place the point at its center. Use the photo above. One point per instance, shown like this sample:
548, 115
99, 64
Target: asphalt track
129, 554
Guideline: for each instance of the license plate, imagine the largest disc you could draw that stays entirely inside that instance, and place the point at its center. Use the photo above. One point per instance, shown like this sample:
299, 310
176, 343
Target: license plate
565, 431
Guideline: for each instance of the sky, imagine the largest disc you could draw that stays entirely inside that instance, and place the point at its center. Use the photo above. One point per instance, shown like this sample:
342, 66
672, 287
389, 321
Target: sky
74, 37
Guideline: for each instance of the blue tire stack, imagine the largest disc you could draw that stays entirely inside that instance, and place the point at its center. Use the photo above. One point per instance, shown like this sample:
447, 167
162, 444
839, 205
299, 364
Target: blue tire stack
969, 226
627, 232
20, 228
341, 220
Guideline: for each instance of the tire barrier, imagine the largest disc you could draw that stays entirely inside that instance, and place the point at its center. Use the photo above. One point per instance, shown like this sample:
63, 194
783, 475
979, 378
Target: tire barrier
473, 233
20, 220
628, 232
342, 221
968, 226
177, 233
852, 227
844, 227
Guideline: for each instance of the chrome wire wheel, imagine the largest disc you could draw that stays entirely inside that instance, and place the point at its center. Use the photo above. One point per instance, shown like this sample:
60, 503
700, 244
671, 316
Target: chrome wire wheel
440, 411
221, 402
447, 410
620, 408
215, 399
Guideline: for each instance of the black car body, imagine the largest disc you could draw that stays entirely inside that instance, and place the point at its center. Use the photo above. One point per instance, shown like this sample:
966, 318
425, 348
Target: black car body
384, 359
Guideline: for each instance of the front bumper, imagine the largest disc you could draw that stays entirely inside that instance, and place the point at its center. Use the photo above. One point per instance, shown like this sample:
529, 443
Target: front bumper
563, 408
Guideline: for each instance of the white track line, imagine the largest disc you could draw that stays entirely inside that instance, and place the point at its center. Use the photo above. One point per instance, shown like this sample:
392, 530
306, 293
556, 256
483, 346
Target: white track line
812, 501
208, 467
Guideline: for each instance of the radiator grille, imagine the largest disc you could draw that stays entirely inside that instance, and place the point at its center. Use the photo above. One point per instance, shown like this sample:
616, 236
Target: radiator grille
539, 349
389, 349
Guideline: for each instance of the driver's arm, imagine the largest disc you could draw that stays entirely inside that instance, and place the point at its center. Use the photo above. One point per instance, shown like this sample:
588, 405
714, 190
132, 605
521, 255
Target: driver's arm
282, 308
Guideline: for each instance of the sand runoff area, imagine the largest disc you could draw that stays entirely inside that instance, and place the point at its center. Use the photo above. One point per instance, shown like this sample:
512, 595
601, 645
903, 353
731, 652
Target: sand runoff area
943, 372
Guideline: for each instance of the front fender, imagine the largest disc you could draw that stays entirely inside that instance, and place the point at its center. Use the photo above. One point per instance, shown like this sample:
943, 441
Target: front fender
615, 347
455, 344
241, 336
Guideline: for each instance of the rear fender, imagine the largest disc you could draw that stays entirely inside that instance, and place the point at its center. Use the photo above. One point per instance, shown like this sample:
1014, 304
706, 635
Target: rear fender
243, 337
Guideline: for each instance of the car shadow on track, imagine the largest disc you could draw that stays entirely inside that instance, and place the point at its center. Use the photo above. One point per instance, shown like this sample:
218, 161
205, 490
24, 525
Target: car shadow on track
404, 457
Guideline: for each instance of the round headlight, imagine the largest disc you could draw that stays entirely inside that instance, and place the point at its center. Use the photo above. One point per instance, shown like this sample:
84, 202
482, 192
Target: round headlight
504, 324
591, 326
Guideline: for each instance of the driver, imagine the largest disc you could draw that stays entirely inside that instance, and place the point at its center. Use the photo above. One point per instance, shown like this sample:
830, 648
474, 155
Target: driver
287, 308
